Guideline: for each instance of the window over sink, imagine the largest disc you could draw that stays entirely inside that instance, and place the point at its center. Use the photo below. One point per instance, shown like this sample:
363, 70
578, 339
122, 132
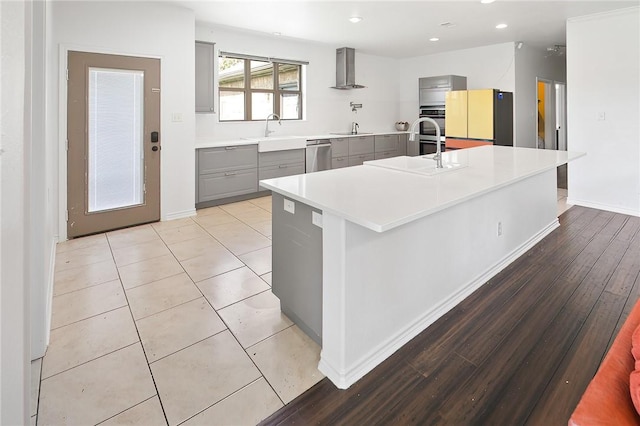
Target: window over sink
252, 87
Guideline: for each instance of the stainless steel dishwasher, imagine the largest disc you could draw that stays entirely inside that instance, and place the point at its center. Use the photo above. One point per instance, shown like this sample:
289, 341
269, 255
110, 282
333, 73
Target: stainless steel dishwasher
318, 155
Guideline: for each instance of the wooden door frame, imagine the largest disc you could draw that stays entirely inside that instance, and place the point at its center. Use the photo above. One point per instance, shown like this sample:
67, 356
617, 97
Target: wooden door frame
63, 55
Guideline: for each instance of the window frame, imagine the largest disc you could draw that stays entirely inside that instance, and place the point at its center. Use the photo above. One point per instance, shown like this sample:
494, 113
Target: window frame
248, 91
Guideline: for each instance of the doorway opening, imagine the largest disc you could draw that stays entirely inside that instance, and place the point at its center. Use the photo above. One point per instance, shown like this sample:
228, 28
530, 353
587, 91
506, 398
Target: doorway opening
552, 120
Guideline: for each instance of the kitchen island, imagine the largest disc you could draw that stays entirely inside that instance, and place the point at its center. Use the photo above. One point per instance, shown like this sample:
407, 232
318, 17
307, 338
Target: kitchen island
366, 257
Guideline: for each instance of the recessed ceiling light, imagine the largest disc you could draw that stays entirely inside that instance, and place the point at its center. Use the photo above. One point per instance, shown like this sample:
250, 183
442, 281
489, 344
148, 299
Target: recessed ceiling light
355, 19
486, 1
434, 39
501, 26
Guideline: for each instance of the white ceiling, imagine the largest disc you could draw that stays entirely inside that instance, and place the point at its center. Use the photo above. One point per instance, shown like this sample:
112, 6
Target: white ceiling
401, 29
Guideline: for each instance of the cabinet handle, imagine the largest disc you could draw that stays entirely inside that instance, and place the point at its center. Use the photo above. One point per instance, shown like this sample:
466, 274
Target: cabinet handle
230, 174
229, 148
339, 159
282, 166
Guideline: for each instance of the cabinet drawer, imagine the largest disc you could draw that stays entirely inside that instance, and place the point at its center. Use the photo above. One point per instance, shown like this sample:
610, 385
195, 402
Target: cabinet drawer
385, 154
339, 162
280, 171
227, 184
386, 143
276, 158
339, 147
211, 160
357, 160
360, 145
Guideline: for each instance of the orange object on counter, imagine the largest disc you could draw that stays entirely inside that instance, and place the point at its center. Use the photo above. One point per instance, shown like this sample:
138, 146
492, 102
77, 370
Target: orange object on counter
452, 143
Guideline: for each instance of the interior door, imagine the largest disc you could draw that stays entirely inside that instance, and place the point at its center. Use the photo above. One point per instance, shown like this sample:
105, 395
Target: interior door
113, 157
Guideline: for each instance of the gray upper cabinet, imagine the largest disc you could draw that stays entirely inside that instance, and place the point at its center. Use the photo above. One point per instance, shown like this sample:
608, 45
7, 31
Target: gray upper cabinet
204, 77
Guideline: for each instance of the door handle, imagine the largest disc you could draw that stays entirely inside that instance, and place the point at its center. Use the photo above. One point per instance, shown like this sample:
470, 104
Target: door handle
154, 148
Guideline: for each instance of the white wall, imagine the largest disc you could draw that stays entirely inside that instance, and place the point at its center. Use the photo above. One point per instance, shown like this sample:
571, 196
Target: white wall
532, 63
485, 67
603, 76
15, 29
143, 29
327, 110
42, 227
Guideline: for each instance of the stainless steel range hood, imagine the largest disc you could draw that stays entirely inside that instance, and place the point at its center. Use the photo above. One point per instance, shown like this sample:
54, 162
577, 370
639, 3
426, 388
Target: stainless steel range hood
345, 69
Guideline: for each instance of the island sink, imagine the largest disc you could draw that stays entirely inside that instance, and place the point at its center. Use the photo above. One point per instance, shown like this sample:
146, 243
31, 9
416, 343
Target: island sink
423, 165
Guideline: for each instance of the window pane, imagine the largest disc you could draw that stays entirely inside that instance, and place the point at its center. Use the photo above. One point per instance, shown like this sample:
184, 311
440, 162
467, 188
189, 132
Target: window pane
290, 106
261, 105
231, 73
261, 75
289, 77
116, 122
231, 105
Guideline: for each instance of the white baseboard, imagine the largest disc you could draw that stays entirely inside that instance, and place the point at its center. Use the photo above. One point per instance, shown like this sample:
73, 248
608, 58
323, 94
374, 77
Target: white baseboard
344, 379
179, 215
601, 206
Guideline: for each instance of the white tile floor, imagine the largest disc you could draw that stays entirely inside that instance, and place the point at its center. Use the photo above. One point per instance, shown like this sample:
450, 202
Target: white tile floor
171, 323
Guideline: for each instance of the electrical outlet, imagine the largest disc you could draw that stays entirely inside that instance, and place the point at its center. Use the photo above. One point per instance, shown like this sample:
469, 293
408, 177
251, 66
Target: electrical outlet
316, 219
499, 229
289, 206
176, 117
601, 116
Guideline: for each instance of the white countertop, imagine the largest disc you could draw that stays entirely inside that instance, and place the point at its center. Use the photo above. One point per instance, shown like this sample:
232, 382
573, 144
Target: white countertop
381, 198
204, 142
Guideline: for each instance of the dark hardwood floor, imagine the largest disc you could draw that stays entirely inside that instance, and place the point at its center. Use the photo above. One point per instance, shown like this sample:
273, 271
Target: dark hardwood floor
519, 350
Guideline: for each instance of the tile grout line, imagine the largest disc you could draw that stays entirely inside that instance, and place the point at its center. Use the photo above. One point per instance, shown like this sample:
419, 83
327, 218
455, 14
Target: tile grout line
144, 352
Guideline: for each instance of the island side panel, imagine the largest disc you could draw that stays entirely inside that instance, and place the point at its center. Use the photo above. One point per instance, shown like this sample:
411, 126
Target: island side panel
382, 289
297, 265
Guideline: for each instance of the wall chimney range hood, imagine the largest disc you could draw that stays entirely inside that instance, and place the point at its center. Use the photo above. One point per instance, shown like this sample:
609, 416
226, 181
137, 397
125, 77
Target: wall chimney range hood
345, 69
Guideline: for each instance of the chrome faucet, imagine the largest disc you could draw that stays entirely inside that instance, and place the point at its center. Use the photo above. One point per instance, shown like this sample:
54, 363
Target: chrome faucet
354, 128
412, 137
266, 129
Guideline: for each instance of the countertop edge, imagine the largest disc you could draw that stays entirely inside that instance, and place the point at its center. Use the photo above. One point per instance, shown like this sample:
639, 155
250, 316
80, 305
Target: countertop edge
202, 143
383, 227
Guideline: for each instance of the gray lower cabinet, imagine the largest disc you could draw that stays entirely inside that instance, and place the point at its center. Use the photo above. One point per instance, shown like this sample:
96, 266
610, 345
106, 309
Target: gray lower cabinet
359, 145
213, 186
281, 163
339, 147
204, 56
387, 146
224, 172
339, 162
357, 160
297, 265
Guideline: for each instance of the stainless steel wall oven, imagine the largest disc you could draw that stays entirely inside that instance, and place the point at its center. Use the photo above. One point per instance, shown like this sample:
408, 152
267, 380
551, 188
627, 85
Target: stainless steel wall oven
428, 131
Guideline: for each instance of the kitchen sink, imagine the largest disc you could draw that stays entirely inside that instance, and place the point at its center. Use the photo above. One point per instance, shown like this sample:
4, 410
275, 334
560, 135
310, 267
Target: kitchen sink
423, 165
281, 143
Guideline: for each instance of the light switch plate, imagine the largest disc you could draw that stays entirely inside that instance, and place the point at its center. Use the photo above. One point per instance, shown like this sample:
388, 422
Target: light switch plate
289, 206
316, 219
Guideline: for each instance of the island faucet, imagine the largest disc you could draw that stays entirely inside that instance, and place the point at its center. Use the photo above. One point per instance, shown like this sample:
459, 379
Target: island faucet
266, 129
412, 137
